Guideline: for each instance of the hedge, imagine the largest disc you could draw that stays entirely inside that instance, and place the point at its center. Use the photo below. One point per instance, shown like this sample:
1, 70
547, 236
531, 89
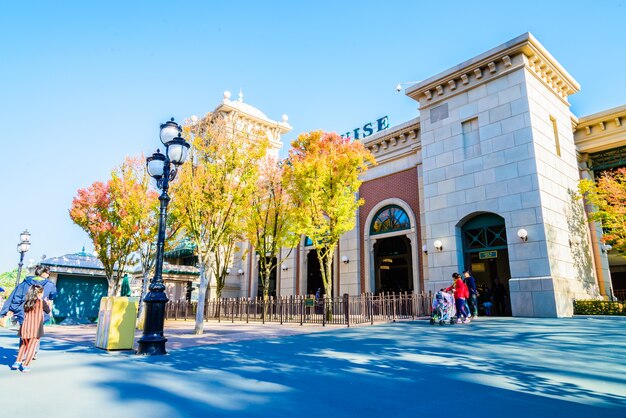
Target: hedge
598, 307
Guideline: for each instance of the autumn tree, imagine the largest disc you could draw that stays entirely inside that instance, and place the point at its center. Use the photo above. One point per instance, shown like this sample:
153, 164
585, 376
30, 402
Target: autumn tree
607, 197
323, 178
211, 196
140, 203
270, 225
98, 211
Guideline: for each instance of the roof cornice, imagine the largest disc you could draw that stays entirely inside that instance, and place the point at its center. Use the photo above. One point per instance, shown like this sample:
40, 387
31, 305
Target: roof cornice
523, 51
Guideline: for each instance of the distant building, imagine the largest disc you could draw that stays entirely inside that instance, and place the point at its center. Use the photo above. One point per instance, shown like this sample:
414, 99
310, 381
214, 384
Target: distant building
80, 282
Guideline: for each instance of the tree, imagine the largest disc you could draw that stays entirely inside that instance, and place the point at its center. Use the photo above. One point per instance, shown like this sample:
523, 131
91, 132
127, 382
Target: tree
121, 218
140, 202
211, 197
93, 209
7, 281
323, 178
270, 225
608, 199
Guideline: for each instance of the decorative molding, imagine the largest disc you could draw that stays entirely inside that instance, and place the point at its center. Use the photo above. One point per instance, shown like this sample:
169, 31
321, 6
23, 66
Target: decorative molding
601, 131
394, 140
523, 51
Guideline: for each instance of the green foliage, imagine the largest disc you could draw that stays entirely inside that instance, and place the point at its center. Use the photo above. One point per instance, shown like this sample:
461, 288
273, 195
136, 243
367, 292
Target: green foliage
607, 195
598, 307
7, 280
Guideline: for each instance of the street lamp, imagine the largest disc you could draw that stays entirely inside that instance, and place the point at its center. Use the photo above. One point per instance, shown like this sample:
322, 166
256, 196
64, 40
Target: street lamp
22, 248
159, 167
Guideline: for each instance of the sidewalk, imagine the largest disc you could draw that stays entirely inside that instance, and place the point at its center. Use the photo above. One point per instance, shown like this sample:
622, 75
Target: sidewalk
492, 367
180, 333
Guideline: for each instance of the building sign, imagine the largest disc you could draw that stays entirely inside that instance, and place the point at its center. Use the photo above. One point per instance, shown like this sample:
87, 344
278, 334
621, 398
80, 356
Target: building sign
368, 129
483, 255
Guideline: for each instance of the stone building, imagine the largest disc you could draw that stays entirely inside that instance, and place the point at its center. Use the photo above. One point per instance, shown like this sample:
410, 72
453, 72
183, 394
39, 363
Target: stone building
482, 179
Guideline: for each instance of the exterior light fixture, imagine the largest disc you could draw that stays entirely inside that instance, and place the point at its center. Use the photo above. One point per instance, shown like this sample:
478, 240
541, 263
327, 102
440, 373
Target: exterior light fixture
522, 234
399, 86
606, 248
22, 247
240, 272
575, 240
161, 167
438, 245
284, 268
345, 259
228, 270
425, 249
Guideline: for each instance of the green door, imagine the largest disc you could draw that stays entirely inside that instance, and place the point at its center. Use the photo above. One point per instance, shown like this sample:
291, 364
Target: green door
79, 297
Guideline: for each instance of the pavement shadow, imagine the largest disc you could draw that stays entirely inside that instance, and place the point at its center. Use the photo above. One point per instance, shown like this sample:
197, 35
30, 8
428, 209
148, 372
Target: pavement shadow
544, 368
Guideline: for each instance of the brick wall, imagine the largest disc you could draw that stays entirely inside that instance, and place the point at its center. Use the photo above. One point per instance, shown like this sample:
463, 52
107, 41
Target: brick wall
401, 185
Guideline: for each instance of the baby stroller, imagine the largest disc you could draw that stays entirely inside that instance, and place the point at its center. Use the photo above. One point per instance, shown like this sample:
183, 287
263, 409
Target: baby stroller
443, 308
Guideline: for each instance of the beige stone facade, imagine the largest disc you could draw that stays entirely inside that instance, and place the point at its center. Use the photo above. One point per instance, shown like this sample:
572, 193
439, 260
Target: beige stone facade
482, 179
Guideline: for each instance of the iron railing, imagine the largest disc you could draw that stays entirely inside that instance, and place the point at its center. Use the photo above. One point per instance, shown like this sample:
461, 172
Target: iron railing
347, 310
620, 294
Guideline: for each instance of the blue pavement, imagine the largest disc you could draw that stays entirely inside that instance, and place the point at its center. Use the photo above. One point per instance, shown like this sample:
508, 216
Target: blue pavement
493, 367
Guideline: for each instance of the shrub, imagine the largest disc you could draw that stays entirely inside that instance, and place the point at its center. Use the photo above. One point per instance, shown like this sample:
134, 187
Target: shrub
598, 307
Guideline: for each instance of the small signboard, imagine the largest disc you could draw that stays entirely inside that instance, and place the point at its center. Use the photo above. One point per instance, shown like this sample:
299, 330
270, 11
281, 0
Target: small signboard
484, 255
309, 302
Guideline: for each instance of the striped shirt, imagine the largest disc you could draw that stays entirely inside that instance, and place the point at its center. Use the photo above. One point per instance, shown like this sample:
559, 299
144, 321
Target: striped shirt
32, 327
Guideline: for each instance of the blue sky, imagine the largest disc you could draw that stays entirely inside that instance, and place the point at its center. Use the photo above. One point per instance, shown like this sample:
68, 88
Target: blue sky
86, 83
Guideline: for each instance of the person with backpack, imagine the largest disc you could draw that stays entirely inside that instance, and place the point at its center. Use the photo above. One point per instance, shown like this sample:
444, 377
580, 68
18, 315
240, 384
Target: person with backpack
16, 300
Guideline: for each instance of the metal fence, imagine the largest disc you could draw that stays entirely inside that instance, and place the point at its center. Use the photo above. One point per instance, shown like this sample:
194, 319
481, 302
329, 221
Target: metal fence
347, 310
620, 294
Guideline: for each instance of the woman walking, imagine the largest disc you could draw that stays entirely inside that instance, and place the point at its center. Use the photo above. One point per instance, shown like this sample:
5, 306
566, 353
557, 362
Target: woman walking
31, 329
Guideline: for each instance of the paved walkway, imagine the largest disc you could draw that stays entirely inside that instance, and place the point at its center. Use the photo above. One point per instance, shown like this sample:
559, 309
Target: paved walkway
492, 367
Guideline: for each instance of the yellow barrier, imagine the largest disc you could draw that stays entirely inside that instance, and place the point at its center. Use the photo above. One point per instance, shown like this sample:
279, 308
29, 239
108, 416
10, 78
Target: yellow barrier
116, 323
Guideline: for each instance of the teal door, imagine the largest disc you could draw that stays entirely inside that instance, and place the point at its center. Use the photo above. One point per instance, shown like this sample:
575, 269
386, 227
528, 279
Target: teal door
79, 297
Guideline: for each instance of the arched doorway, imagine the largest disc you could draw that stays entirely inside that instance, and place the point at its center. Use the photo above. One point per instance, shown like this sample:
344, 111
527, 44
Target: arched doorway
393, 261
393, 265
486, 255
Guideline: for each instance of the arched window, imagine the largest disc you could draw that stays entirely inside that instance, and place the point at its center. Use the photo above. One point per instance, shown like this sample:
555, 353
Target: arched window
389, 219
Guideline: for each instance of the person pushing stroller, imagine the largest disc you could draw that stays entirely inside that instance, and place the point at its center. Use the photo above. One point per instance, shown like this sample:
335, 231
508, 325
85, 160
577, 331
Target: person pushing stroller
461, 293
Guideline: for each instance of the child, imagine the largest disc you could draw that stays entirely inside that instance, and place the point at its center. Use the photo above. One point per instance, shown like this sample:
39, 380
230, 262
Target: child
31, 329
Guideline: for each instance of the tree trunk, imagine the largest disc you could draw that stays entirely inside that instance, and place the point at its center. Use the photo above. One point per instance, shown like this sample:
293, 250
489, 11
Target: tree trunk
112, 290
199, 326
144, 291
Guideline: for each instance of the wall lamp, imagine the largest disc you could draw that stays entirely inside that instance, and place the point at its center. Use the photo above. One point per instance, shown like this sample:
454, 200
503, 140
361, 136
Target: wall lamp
345, 259
284, 268
228, 270
438, 245
425, 249
522, 234
606, 248
575, 240
240, 272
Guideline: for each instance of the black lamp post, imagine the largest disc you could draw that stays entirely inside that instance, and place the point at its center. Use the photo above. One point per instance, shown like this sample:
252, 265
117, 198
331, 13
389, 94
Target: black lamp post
159, 166
22, 248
